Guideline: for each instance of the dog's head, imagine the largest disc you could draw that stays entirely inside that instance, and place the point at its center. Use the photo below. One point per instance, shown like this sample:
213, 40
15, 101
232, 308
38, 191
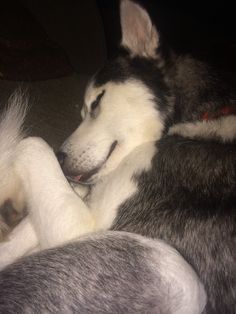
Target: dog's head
125, 103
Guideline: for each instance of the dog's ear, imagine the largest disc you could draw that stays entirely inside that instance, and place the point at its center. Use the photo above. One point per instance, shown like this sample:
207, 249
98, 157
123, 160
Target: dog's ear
139, 34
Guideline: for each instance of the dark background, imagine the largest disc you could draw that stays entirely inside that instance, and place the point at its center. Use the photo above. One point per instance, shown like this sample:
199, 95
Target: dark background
202, 28
89, 31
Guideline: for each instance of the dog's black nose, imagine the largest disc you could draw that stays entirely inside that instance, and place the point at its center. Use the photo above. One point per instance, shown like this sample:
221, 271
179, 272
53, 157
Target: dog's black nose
61, 156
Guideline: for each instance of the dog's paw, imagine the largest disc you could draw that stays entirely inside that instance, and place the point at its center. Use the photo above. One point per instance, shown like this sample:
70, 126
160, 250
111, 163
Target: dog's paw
7, 256
4, 230
81, 190
9, 218
19, 242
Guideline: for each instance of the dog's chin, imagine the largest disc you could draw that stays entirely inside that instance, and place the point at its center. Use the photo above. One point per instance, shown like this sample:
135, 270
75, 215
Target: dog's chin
92, 176
88, 178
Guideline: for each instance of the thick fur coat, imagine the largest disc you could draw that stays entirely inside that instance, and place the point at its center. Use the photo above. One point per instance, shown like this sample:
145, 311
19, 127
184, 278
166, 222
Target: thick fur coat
153, 230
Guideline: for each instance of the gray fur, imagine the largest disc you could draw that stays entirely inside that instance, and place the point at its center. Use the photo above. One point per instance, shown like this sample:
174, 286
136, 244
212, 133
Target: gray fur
106, 273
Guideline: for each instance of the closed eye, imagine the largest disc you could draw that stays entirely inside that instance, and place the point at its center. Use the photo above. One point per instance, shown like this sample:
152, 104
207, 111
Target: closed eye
96, 102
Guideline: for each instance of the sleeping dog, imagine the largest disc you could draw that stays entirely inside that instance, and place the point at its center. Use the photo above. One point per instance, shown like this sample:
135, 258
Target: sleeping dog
147, 223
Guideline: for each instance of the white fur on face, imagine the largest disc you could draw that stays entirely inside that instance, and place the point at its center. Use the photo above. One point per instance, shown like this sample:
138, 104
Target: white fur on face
127, 115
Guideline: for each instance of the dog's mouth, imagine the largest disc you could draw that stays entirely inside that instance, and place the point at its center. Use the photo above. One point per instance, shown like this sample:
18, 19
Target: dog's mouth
85, 178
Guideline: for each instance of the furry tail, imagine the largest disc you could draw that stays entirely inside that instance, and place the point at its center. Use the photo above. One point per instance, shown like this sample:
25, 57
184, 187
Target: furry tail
11, 133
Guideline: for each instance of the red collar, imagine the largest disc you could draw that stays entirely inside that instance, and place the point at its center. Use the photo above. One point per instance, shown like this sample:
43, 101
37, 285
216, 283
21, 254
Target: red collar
225, 111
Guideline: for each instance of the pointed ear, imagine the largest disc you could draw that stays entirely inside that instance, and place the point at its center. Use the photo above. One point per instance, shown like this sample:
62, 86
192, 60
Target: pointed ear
139, 35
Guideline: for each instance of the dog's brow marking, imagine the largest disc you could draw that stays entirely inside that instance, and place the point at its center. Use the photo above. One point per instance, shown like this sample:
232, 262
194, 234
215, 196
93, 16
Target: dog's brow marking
96, 102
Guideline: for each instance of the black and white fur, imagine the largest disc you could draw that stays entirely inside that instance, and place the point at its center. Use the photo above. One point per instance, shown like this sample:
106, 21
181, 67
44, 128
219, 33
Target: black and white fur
147, 174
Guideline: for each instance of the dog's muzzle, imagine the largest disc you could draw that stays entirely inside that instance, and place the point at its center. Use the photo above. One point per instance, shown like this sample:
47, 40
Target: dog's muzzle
82, 178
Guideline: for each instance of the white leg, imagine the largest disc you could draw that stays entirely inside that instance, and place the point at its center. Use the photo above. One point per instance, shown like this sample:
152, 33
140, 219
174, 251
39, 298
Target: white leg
57, 213
20, 241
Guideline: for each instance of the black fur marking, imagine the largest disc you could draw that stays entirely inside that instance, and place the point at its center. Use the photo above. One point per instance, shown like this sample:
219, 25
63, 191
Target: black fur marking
96, 102
184, 89
123, 68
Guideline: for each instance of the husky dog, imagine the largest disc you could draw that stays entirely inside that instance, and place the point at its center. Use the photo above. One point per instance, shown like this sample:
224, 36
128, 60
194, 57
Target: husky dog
150, 224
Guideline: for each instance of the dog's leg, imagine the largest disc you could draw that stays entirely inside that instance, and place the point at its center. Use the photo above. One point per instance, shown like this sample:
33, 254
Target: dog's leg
57, 213
20, 241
